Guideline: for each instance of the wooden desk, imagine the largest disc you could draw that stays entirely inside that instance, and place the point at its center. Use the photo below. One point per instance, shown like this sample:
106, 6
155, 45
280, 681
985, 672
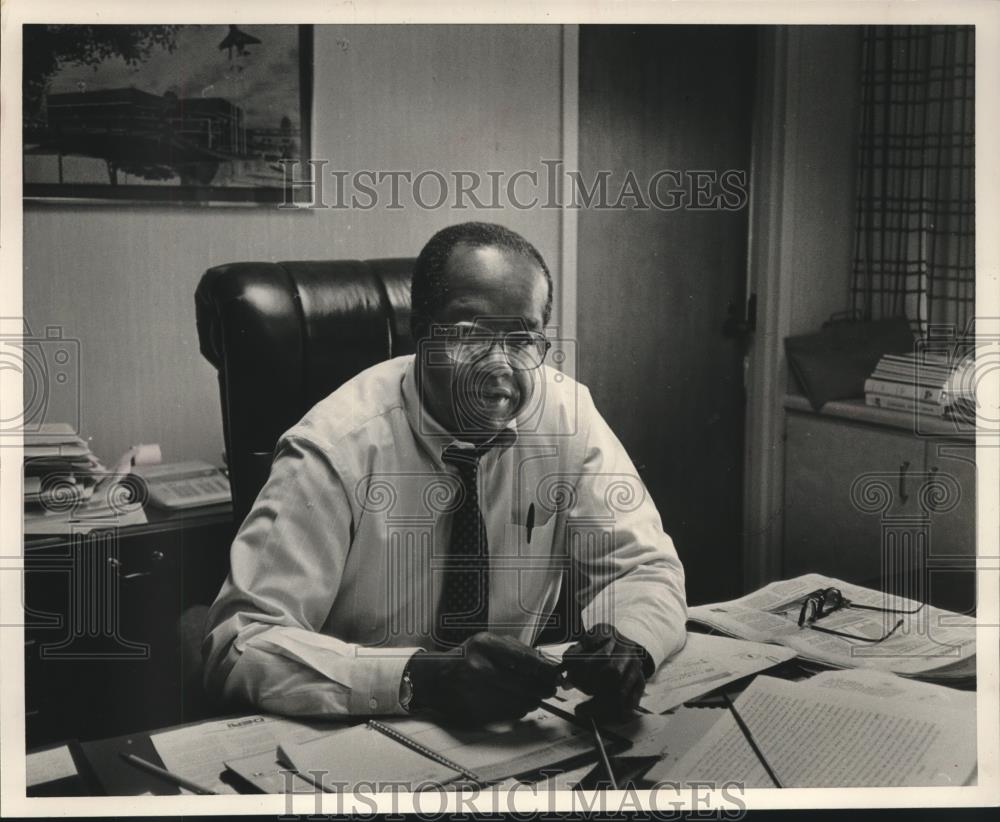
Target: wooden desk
102, 653
102, 770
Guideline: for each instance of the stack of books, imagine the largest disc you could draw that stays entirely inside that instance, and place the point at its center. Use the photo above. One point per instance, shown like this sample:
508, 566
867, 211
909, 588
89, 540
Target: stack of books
935, 386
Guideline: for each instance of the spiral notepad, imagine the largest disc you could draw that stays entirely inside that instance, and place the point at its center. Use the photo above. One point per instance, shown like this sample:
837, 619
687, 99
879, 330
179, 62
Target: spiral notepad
420, 752
413, 745
363, 758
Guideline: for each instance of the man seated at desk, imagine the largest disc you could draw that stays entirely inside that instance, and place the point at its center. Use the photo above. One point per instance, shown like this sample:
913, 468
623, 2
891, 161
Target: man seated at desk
409, 544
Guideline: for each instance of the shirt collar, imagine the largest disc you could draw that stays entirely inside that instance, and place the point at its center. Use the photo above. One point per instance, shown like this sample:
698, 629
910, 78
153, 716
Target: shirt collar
430, 434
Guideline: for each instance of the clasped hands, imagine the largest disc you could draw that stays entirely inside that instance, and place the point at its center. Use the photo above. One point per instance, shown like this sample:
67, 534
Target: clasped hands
491, 677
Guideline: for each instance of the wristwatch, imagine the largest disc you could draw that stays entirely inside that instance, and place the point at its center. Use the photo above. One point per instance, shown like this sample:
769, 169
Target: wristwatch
406, 690
648, 664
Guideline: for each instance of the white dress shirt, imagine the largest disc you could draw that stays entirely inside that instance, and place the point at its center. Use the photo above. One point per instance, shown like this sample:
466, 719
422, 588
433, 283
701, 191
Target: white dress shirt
336, 572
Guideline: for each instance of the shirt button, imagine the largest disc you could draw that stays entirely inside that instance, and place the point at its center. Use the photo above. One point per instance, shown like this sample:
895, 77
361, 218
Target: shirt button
373, 703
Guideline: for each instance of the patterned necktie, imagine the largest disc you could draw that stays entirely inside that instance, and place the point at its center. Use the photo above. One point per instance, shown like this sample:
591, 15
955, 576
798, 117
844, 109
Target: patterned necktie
465, 598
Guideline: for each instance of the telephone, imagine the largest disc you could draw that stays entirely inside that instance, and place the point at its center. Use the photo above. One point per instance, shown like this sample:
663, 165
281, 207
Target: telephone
191, 484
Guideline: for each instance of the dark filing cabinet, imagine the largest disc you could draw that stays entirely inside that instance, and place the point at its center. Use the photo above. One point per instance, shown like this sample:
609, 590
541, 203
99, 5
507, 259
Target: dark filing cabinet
103, 654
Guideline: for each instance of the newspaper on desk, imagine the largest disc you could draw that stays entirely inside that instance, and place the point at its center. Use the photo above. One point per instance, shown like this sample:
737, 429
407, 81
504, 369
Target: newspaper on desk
932, 643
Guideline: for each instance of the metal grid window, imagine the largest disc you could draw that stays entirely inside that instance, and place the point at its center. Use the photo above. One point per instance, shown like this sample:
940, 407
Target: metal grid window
914, 250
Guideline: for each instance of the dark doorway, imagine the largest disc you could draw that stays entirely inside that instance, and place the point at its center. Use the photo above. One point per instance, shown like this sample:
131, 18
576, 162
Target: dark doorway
658, 284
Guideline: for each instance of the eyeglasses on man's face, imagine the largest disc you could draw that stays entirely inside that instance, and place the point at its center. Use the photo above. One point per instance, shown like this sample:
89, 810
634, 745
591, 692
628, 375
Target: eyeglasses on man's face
825, 601
466, 343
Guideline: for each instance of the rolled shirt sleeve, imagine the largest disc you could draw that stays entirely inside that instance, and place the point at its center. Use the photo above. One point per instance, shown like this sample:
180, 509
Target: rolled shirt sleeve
264, 642
630, 574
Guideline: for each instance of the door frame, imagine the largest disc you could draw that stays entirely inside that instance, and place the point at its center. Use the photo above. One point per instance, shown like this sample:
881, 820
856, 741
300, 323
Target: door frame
568, 216
769, 275
567, 300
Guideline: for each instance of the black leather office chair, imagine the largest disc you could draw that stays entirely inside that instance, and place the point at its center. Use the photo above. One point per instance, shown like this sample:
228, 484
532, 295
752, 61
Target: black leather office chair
283, 336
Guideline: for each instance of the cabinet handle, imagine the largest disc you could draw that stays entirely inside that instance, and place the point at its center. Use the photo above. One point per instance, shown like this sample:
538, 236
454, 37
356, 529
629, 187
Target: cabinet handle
157, 555
117, 565
136, 575
903, 496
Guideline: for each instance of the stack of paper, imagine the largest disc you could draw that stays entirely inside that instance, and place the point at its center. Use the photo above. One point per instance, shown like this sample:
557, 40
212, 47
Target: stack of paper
49, 765
66, 487
247, 745
706, 663
684, 727
59, 469
861, 731
889, 686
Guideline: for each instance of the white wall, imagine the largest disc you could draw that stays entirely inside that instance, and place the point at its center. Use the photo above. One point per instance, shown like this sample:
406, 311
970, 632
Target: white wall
121, 279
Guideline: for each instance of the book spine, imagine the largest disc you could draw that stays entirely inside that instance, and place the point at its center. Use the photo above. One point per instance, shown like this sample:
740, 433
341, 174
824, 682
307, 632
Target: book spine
930, 380
922, 393
894, 403
914, 369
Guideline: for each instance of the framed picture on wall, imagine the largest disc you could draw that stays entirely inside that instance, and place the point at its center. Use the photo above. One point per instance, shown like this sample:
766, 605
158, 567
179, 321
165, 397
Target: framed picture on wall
188, 114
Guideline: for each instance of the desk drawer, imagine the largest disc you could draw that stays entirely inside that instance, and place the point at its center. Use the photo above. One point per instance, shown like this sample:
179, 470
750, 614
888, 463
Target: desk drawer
103, 655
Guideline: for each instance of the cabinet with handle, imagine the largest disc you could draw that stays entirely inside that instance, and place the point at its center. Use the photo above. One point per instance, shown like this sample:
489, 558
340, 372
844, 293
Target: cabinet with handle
102, 655
870, 497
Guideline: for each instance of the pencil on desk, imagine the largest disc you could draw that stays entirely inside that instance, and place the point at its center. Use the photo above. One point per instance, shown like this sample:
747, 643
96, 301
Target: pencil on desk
575, 720
749, 738
599, 744
164, 774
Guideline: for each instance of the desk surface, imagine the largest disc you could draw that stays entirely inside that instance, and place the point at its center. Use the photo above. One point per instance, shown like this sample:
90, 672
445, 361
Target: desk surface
158, 521
101, 769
